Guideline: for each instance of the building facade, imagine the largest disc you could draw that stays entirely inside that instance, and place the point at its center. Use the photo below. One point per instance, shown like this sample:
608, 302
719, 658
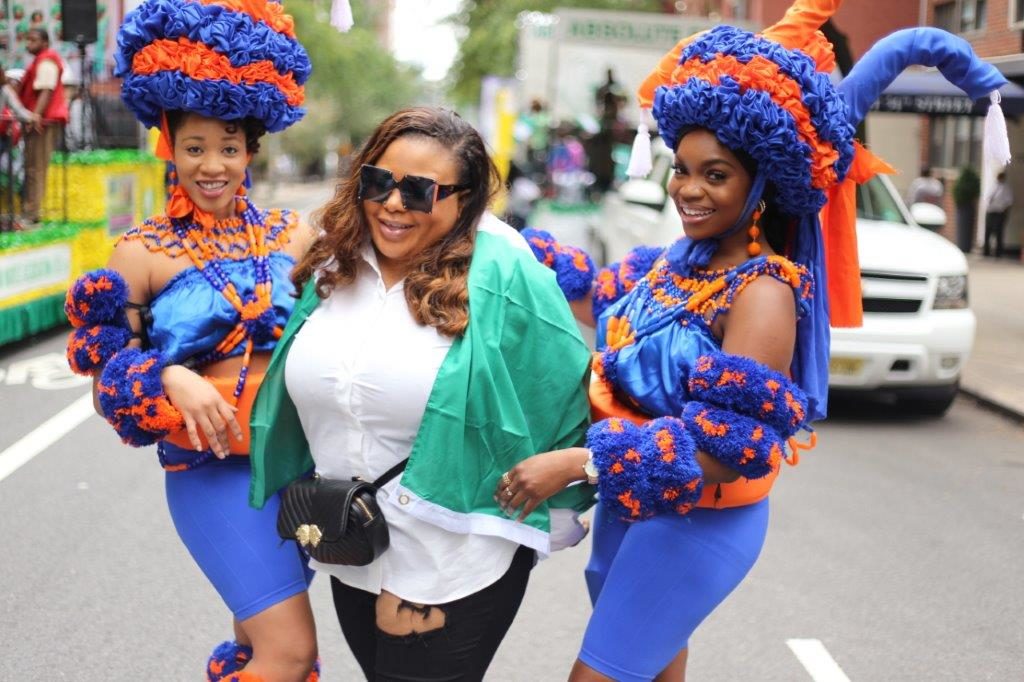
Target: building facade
995, 29
863, 21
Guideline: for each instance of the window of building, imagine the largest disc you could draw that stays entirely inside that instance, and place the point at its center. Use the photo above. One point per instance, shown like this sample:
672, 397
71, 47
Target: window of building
962, 142
955, 141
1018, 11
945, 16
940, 155
972, 15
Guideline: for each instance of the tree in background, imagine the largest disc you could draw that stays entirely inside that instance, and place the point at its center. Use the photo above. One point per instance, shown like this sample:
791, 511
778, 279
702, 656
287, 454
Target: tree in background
355, 82
489, 36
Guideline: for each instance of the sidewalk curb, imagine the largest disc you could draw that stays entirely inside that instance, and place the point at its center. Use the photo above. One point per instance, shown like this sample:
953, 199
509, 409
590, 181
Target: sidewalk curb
993, 405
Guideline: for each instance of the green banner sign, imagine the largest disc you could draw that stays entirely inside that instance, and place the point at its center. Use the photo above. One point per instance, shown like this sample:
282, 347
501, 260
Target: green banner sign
24, 271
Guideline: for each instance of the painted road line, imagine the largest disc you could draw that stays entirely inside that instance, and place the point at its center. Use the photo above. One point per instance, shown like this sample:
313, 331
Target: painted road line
815, 658
45, 435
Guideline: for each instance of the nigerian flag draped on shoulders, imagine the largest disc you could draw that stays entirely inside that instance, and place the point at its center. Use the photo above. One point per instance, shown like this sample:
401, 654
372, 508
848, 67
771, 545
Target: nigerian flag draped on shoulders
512, 386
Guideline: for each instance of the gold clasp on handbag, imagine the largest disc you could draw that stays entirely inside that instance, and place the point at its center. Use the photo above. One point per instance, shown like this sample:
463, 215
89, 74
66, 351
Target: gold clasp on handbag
308, 534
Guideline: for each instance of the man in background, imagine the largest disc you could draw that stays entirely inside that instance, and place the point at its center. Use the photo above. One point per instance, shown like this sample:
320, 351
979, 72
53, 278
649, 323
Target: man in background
609, 100
925, 189
79, 133
999, 204
43, 93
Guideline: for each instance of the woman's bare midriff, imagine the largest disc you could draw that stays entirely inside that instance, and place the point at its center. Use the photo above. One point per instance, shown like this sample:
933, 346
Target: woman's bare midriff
230, 367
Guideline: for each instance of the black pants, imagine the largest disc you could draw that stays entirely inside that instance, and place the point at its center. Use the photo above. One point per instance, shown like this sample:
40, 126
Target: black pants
994, 223
460, 651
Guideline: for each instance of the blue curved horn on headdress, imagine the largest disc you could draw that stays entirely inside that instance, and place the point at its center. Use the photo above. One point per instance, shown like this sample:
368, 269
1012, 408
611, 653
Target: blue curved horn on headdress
887, 58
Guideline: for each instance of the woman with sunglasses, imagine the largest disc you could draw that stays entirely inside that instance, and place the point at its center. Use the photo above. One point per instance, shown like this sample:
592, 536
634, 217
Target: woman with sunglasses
427, 333
178, 329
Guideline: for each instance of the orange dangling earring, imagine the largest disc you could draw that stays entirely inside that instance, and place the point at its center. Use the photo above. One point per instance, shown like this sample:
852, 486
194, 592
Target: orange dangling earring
754, 247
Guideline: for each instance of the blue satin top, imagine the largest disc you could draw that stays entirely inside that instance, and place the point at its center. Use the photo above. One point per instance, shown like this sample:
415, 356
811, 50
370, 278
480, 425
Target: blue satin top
652, 371
190, 317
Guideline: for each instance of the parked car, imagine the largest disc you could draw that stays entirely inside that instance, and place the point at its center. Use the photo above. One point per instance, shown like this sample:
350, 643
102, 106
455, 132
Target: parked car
918, 329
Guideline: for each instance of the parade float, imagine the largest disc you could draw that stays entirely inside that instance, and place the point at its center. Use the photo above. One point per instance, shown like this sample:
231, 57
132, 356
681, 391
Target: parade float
91, 198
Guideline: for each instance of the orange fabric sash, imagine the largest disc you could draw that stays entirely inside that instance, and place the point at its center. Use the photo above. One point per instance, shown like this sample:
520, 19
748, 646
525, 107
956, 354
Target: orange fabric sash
839, 235
739, 493
226, 387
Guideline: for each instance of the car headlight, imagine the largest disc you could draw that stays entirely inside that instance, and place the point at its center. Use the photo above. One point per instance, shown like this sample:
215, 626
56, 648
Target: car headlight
951, 292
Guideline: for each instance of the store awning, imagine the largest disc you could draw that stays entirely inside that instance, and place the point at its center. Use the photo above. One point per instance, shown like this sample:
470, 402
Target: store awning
928, 92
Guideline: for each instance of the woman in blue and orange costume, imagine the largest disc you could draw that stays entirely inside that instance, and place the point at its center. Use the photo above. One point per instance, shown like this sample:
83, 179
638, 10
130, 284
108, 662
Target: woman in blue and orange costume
177, 331
712, 352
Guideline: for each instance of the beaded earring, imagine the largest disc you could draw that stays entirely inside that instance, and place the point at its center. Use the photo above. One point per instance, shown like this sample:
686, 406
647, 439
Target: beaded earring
754, 247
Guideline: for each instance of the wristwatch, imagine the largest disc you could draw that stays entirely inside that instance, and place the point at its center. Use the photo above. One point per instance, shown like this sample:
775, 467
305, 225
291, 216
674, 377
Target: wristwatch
589, 469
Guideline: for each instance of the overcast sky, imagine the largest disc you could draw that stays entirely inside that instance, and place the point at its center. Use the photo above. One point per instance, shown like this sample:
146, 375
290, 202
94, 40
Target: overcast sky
419, 37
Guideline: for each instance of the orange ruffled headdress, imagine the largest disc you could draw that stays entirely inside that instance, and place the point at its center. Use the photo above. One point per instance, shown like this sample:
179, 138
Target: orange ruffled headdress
225, 59
770, 95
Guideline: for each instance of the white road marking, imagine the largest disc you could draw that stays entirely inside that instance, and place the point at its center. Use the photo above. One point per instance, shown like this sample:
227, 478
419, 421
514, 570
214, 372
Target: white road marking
45, 435
49, 372
815, 658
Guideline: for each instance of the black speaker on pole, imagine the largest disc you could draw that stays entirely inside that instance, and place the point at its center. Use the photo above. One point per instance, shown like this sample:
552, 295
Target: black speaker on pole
79, 17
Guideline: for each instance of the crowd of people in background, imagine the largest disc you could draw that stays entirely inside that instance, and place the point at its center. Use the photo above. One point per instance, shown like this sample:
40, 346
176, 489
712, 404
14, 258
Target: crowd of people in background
569, 160
35, 111
926, 188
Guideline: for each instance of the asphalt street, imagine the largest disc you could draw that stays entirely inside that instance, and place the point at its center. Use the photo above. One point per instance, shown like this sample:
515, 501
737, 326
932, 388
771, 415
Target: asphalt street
896, 544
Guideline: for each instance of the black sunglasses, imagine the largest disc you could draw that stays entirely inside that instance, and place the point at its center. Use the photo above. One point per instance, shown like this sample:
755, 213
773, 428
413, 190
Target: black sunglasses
418, 193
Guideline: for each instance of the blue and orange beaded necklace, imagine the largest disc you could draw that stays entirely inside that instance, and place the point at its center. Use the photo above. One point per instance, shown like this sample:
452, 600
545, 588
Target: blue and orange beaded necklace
257, 321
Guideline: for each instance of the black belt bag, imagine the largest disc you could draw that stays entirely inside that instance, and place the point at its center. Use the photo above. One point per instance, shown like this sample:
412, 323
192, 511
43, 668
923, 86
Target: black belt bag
336, 522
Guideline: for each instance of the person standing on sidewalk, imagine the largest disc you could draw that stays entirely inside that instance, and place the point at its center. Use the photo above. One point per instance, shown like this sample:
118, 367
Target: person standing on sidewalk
999, 204
42, 92
925, 189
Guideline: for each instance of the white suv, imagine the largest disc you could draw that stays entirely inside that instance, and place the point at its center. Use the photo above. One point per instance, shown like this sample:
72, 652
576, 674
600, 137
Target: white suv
918, 330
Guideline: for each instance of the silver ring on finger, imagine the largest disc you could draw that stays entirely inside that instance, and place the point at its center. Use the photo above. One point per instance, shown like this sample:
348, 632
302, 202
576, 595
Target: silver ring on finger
506, 479
508, 492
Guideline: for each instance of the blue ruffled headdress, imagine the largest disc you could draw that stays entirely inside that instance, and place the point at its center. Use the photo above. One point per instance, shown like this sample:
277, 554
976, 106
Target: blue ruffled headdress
225, 59
770, 95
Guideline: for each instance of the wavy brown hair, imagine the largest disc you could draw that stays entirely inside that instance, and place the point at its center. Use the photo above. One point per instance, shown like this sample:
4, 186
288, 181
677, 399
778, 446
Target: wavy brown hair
436, 287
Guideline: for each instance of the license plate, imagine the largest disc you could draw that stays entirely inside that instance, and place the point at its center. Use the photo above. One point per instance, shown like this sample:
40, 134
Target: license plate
845, 366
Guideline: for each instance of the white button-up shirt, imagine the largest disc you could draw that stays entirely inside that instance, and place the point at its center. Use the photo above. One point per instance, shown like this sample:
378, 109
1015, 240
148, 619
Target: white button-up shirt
359, 372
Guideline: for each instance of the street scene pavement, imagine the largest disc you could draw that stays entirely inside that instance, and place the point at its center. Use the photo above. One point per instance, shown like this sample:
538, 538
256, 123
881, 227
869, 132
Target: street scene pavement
995, 372
893, 546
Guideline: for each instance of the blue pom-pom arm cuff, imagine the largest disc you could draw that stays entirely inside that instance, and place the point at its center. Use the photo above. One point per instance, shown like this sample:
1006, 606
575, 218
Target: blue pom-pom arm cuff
133, 400
645, 470
743, 385
574, 269
618, 279
542, 243
89, 348
97, 297
745, 445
